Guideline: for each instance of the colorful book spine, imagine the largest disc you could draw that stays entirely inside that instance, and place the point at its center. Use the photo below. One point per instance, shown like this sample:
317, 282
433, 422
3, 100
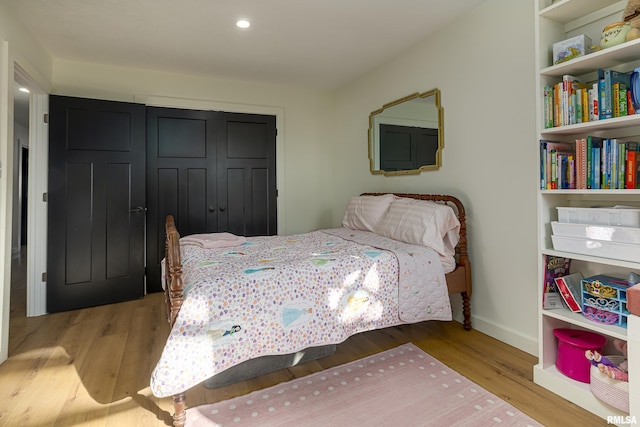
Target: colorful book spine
589, 166
596, 165
622, 165
603, 103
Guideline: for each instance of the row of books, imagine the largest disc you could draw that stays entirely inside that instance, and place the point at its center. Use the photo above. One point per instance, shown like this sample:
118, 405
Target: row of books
570, 101
589, 163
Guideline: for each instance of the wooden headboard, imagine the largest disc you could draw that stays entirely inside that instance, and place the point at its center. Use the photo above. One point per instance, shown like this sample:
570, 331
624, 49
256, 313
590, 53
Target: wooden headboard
459, 280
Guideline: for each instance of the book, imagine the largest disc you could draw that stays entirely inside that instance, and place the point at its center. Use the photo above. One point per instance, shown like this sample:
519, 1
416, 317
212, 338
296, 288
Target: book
550, 169
632, 166
622, 165
554, 267
570, 289
589, 162
604, 104
610, 83
581, 163
595, 113
619, 97
567, 81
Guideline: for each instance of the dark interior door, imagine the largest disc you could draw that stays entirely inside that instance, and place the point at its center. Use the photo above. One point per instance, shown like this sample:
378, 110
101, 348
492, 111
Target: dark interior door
212, 171
96, 199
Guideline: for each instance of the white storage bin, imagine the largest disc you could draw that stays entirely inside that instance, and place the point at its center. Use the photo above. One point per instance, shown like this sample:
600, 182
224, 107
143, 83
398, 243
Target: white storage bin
600, 248
597, 232
621, 217
613, 392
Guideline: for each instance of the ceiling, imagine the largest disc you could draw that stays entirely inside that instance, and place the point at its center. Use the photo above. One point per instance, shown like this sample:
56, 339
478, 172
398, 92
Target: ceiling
314, 44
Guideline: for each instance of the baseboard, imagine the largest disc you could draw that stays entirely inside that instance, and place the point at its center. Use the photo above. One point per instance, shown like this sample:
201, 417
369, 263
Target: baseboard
506, 335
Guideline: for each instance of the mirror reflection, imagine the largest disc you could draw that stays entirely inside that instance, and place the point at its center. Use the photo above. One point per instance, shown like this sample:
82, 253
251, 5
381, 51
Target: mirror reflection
406, 135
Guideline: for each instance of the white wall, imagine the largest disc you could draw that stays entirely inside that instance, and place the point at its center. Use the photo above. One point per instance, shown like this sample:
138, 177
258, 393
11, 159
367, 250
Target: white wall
304, 167
484, 65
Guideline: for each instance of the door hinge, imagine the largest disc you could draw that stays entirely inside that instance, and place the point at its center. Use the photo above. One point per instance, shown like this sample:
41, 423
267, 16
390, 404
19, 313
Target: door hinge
44, 276
46, 117
45, 197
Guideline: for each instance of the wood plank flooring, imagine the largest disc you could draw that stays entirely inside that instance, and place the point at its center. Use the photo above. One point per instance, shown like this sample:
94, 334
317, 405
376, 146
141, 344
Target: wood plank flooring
91, 367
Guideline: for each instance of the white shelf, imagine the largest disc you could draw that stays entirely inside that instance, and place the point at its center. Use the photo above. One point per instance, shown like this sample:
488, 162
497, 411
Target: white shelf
579, 320
598, 260
580, 393
591, 192
617, 127
607, 58
569, 10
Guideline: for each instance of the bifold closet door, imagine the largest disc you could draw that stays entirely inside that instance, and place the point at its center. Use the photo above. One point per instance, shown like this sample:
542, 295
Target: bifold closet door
212, 171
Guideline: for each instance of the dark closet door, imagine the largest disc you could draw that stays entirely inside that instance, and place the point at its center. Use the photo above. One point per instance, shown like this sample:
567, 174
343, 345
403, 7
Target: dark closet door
181, 178
95, 249
212, 171
247, 193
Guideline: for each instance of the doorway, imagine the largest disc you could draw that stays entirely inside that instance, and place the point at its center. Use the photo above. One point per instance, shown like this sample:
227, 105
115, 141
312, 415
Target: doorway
18, 294
21, 103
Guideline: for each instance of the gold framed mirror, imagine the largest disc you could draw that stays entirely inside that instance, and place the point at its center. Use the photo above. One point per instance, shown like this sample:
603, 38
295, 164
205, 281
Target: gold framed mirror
406, 135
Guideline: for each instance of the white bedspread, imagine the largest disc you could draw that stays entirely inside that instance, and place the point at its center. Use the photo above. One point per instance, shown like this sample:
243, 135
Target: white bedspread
281, 294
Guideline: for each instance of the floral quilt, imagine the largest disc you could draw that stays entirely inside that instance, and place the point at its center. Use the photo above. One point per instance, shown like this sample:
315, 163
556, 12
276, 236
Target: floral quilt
281, 294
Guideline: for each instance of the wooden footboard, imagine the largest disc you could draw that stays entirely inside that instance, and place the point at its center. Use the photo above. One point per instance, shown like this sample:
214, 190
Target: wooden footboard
173, 297
458, 281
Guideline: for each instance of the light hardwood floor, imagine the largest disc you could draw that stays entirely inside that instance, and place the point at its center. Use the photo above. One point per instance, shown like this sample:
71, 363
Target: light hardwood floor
91, 367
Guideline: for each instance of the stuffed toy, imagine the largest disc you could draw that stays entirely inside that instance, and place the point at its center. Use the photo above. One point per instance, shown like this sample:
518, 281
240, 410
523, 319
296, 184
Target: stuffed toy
631, 14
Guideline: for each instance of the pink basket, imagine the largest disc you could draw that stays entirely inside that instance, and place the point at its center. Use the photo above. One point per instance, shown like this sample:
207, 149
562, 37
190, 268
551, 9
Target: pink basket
613, 392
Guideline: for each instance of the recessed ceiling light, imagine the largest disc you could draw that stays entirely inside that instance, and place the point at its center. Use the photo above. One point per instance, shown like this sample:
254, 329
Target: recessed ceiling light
24, 89
243, 23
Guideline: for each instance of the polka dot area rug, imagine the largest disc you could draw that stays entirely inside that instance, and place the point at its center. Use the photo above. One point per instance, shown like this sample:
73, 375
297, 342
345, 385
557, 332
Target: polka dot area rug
403, 386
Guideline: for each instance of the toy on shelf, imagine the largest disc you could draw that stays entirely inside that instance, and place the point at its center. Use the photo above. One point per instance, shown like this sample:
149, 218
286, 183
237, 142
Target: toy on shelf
631, 15
614, 371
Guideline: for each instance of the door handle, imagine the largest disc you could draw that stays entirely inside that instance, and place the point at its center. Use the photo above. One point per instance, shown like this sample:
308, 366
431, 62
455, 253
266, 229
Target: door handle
222, 209
138, 209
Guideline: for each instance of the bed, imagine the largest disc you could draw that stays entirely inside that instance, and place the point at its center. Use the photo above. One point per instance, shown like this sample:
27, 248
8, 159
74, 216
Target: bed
231, 300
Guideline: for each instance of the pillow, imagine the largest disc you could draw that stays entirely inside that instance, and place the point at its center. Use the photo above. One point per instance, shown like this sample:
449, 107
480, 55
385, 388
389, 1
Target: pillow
366, 212
422, 222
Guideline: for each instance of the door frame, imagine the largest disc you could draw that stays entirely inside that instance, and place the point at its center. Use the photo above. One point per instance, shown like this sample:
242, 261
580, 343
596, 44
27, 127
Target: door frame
37, 189
278, 112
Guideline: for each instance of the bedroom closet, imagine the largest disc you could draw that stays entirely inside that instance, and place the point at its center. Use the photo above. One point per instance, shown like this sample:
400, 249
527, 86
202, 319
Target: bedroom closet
117, 169
221, 177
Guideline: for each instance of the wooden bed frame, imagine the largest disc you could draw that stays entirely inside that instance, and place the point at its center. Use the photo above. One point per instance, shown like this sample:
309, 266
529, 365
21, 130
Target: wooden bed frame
458, 281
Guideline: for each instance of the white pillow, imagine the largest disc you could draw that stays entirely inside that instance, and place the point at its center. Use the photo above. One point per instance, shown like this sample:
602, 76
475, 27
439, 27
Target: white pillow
366, 212
422, 222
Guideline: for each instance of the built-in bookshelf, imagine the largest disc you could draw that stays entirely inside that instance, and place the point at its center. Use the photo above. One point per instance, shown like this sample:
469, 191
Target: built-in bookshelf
557, 21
